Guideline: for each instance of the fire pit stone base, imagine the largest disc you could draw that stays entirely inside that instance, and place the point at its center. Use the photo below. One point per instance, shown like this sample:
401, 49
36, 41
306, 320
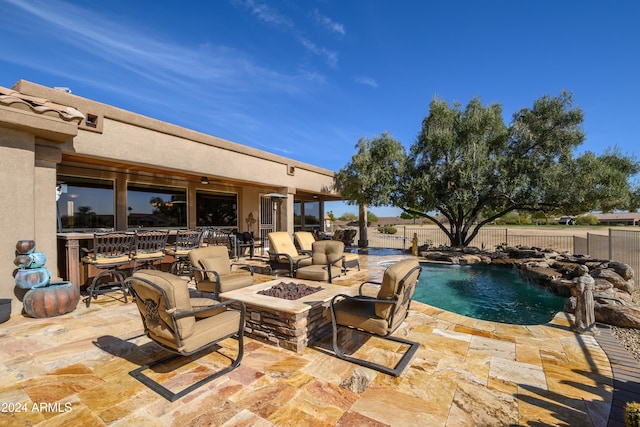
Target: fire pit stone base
291, 324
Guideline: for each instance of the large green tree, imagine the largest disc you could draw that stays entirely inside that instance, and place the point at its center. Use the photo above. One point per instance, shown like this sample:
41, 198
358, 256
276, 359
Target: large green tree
372, 176
470, 168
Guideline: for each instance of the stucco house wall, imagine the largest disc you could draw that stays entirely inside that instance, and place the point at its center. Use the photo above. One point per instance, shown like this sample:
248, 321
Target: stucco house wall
45, 132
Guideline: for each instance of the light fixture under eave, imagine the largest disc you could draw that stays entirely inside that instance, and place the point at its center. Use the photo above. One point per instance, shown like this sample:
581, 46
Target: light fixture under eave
204, 180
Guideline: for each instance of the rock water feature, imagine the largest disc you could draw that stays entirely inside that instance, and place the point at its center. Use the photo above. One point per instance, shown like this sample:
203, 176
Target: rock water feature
43, 298
616, 294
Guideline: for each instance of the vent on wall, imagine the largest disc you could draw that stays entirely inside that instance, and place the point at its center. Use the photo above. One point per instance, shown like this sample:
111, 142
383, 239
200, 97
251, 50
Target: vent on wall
92, 120
291, 170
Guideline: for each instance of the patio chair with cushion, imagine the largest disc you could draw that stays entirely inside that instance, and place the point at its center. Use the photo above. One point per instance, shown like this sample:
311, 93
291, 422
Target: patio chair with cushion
380, 315
111, 254
327, 256
186, 240
148, 248
214, 272
305, 239
182, 325
283, 253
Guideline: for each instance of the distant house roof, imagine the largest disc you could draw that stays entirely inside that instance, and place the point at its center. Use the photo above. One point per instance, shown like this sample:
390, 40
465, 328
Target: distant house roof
632, 218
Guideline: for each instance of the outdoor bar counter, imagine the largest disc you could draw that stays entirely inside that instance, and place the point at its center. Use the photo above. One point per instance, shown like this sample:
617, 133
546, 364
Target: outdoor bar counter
70, 255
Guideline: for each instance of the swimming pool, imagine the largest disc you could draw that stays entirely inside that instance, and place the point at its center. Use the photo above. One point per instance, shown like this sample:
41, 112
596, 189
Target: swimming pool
487, 293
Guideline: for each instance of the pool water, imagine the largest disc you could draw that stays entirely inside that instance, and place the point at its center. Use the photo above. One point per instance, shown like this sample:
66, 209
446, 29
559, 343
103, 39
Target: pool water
487, 293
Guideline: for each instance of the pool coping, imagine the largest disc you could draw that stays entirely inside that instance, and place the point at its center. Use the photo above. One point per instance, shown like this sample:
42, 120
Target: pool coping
626, 375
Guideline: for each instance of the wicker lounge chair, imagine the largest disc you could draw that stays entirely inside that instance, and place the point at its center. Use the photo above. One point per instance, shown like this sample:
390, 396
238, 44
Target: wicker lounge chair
380, 315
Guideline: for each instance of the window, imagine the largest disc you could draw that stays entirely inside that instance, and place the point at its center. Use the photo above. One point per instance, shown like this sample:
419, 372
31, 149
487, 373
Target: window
311, 214
85, 203
306, 215
216, 209
153, 206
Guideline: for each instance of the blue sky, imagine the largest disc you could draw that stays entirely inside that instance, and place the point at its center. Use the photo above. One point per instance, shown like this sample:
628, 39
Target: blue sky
307, 79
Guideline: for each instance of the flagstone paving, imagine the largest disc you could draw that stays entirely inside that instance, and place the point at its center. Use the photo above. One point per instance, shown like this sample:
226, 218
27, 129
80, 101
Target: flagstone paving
72, 370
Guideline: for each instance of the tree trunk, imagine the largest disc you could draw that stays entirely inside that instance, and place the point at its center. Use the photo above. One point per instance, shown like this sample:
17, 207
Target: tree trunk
363, 241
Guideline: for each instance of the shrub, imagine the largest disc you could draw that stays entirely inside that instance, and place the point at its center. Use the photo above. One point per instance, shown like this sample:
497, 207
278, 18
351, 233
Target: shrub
632, 414
587, 220
387, 229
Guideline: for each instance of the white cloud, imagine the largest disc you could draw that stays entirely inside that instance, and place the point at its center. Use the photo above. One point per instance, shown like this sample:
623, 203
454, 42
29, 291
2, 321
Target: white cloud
330, 56
364, 80
265, 13
328, 23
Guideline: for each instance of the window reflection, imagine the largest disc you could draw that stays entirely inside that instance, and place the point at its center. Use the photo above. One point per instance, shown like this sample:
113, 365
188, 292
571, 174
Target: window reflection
306, 215
152, 206
85, 203
217, 209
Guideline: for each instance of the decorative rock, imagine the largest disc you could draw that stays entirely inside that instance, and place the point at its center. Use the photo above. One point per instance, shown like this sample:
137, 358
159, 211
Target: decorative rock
469, 260
618, 315
624, 270
615, 279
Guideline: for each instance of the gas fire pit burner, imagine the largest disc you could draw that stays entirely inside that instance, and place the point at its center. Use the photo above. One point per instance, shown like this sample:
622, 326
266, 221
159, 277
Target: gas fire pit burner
290, 291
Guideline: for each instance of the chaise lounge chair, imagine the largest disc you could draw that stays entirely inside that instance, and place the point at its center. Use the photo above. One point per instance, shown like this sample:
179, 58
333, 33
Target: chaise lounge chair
380, 315
283, 253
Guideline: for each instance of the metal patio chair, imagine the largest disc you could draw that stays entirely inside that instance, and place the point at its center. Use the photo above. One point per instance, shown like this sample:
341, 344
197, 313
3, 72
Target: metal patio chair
111, 253
186, 240
148, 248
380, 315
183, 325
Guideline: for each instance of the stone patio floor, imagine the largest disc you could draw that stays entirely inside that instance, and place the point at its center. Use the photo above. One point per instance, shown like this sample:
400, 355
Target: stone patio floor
72, 370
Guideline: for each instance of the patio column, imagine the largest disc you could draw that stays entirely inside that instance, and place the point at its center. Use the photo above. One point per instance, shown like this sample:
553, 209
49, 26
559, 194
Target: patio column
44, 204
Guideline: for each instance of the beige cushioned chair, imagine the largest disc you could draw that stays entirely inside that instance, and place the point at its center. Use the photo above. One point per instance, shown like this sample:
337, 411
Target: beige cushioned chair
380, 315
305, 239
327, 256
181, 324
214, 272
283, 253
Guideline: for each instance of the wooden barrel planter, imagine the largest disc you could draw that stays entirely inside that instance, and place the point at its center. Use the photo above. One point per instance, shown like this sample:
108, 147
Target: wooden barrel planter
51, 300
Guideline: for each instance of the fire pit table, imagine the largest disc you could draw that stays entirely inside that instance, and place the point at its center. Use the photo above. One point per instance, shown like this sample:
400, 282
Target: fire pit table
288, 323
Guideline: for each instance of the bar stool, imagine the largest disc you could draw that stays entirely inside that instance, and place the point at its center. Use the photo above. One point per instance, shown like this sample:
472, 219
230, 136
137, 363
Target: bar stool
111, 251
149, 247
185, 241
